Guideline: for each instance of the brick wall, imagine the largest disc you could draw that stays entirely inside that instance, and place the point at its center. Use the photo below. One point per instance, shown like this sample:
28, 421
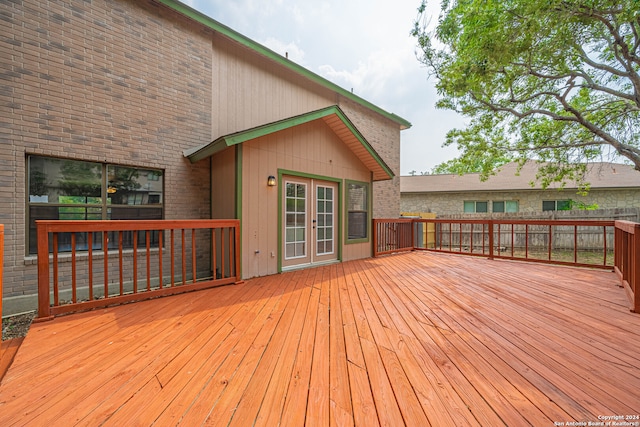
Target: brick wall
384, 137
125, 82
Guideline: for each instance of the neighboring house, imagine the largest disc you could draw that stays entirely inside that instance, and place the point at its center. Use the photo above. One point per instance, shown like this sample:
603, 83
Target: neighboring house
510, 191
114, 109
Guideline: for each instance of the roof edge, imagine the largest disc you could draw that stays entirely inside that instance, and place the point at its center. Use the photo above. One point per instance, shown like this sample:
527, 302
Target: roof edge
203, 151
257, 47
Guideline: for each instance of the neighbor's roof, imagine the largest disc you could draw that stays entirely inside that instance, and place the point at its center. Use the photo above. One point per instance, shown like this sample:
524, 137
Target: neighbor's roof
599, 175
257, 47
333, 116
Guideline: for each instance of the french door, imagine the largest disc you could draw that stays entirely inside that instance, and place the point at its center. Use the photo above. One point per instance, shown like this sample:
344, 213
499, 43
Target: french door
309, 222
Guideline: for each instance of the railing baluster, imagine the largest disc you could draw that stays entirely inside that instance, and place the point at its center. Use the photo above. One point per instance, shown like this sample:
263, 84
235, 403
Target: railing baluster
193, 255
74, 294
55, 270
105, 249
184, 259
491, 242
214, 254
222, 251
148, 247
173, 259
575, 244
550, 242
120, 263
135, 261
513, 239
90, 250
604, 239
160, 276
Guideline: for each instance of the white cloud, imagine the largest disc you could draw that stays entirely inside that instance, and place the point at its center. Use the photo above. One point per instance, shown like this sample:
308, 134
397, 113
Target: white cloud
291, 49
364, 45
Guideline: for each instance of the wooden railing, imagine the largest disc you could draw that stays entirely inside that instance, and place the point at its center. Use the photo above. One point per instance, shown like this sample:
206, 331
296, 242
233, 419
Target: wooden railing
392, 235
612, 245
581, 243
89, 264
627, 260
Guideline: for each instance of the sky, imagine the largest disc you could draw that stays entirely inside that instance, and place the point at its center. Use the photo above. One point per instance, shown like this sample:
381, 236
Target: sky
360, 45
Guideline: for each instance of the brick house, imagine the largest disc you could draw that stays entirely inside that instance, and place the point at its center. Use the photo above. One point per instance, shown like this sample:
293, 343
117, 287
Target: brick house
613, 186
114, 109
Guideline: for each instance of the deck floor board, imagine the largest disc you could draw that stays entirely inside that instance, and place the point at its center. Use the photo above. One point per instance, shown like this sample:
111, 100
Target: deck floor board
408, 339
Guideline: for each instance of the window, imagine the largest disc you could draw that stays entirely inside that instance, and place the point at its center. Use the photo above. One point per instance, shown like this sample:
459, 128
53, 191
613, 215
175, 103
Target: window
472, 206
505, 206
556, 205
357, 210
78, 190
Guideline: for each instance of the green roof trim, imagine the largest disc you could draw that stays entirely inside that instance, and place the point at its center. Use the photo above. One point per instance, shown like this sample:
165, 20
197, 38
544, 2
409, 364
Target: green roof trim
219, 144
257, 47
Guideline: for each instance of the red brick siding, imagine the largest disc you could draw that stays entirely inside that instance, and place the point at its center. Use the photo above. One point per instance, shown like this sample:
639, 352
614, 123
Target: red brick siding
384, 137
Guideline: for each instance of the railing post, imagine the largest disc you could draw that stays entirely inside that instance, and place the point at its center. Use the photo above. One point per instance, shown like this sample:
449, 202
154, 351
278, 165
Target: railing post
44, 310
375, 237
238, 255
413, 234
491, 242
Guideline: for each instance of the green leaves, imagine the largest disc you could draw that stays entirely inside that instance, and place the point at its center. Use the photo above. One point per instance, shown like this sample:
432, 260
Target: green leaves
552, 80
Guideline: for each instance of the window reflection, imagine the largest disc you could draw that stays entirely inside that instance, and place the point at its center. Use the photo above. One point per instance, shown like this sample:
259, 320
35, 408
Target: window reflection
62, 189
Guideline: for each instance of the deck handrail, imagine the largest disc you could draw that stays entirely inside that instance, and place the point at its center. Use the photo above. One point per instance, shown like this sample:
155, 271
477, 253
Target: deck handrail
134, 260
627, 260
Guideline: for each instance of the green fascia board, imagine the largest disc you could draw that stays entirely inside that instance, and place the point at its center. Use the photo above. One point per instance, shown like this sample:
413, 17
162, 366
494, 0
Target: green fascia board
257, 47
207, 150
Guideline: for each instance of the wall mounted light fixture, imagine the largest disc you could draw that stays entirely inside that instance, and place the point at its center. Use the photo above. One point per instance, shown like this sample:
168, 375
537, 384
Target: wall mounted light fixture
271, 181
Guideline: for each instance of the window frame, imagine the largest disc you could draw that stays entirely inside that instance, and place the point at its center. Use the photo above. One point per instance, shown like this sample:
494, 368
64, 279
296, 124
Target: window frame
556, 203
367, 211
475, 206
96, 210
505, 204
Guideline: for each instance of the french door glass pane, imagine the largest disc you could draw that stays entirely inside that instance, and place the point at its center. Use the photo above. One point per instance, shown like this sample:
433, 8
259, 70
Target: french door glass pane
324, 220
295, 220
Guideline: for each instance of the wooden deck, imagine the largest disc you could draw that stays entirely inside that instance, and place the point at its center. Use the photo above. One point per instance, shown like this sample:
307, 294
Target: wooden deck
411, 339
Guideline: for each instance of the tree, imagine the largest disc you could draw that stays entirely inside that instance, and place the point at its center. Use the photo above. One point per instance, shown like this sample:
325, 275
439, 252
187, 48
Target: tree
473, 165
553, 80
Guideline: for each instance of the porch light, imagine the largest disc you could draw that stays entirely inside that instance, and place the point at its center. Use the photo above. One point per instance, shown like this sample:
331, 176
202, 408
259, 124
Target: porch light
271, 181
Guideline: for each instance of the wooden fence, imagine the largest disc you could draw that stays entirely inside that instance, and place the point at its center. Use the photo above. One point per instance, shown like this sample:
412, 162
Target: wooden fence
88, 264
613, 245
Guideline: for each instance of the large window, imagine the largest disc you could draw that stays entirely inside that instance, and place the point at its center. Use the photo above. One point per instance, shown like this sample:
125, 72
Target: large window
63, 189
505, 206
556, 205
357, 210
473, 206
